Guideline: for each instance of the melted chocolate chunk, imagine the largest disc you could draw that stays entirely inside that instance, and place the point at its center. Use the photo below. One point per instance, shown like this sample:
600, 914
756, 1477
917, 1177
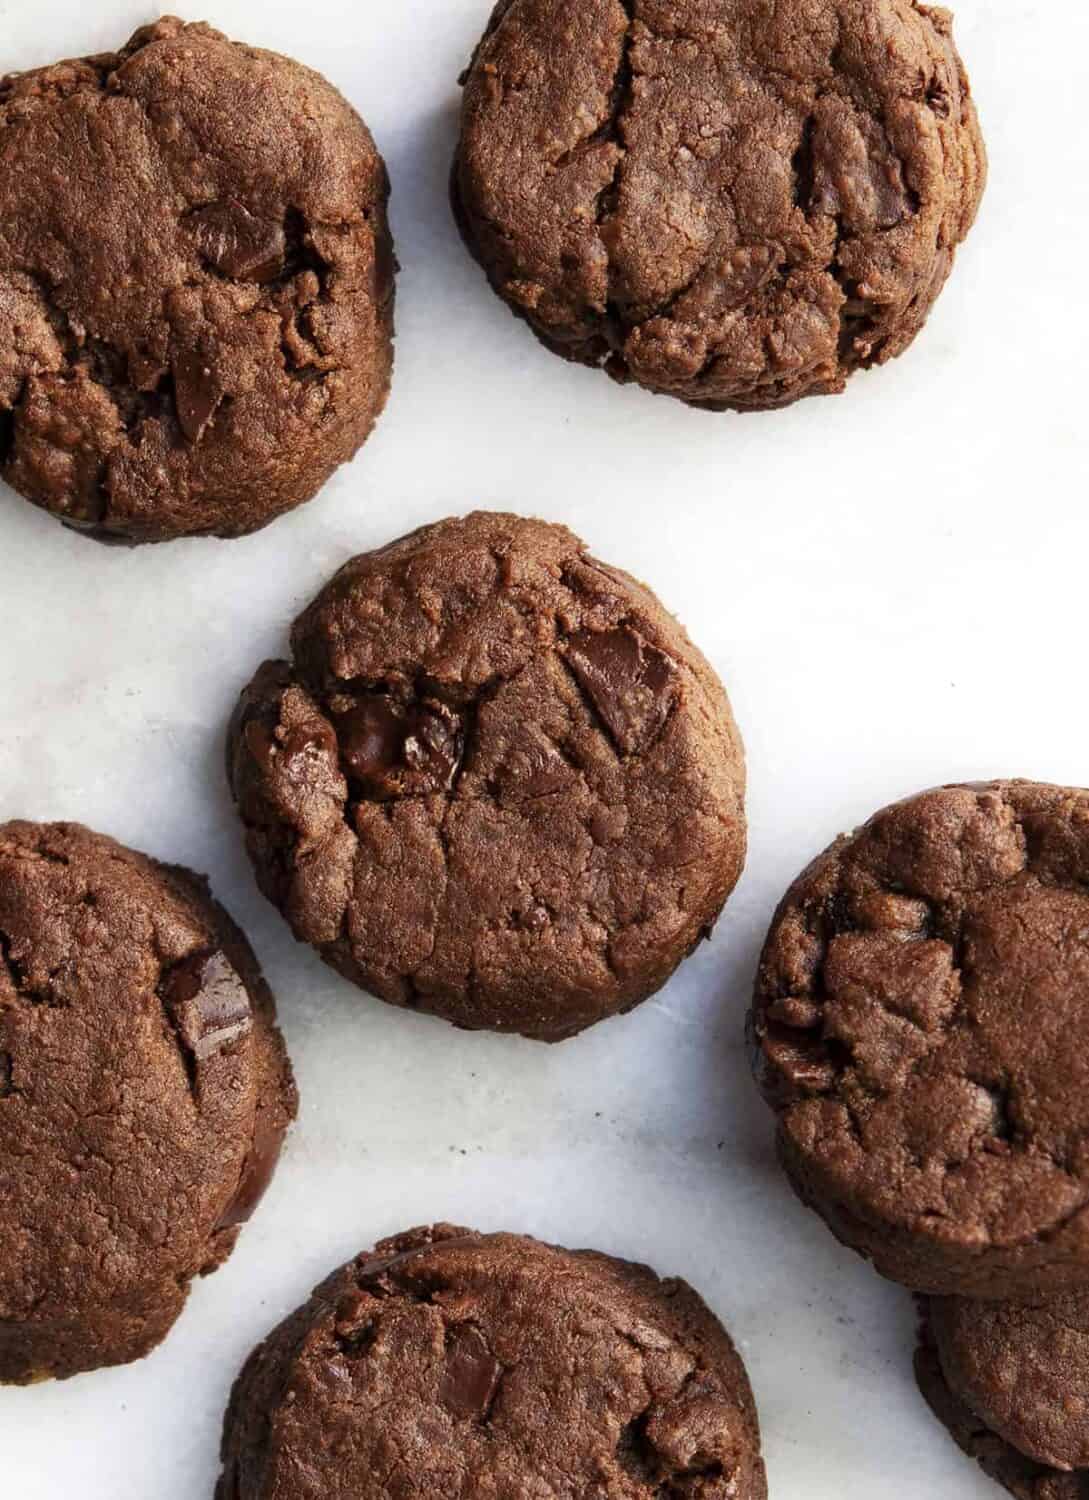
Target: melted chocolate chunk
630, 683
396, 750
207, 1002
238, 244
472, 1373
7, 1088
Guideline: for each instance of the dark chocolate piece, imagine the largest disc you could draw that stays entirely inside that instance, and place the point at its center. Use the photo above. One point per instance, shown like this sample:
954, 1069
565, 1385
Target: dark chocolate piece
237, 243
632, 686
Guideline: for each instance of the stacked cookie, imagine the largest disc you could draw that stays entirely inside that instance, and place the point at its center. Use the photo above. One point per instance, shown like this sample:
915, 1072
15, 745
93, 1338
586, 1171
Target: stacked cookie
921, 1032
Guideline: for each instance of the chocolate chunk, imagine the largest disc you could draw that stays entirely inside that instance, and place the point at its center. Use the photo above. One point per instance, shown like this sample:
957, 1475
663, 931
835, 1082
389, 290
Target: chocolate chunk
237, 243
472, 1373
208, 1003
370, 736
394, 750
6, 1086
197, 394
630, 683
540, 774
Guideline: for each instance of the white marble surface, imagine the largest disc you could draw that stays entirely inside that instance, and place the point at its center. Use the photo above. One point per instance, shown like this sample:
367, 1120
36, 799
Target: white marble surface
892, 585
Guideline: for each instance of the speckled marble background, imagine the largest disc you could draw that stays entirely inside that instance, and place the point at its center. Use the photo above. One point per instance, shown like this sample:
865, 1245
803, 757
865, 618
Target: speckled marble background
892, 585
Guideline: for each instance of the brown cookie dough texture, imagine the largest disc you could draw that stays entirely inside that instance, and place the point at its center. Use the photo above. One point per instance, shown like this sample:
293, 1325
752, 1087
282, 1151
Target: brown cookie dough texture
497, 783
458, 1364
196, 286
144, 1095
1012, 1385
922, 1028
729, 201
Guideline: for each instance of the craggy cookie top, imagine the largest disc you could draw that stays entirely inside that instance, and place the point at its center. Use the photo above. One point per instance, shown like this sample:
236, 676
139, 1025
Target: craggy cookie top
732, 202
497, 783
922, 1014
457, 1364
144, 1094
195, 285
1029, 1430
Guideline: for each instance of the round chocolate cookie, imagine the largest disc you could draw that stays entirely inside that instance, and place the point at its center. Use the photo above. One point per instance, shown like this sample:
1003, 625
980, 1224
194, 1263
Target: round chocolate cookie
196, 286
459, 1364
498, 783
1012, 1385
732, 202
144, 1095
922, 1026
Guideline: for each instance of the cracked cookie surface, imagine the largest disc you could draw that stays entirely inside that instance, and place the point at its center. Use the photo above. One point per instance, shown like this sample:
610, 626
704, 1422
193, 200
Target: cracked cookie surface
1011, 1383
144, 1096
921, 1023
196, 286
459, 1364
497, 783
727, 201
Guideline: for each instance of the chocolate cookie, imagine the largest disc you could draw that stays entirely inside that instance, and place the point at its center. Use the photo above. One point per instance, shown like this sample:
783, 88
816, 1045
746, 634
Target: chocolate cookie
727, 201
1012, 1385
144, 1095
922, 1024
196, 286
452, 1363
498, 783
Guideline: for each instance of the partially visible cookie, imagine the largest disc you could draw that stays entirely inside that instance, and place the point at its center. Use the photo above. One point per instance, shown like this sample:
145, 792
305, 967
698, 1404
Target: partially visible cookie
921, 1023
1012, 1385
497, 782
196, 286
733, 202
453, 1363
144, 1096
